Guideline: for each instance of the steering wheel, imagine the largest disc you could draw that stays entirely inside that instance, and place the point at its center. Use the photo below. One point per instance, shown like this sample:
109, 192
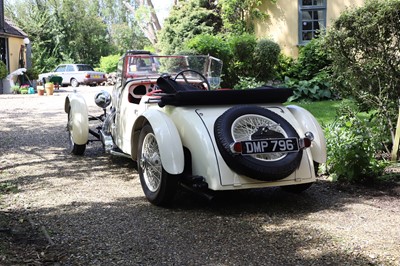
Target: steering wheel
203, 79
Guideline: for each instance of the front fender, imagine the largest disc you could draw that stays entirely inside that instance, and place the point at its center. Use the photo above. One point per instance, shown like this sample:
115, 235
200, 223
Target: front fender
308, 123
168, 140
78, 122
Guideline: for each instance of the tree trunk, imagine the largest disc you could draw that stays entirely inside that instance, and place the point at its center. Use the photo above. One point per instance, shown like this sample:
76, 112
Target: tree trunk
151, 27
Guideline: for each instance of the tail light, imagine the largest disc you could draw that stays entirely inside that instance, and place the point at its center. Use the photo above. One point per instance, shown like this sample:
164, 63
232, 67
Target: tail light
87, 76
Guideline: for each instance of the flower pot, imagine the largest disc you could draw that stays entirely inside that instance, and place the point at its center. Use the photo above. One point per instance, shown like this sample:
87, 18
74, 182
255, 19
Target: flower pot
40, 90
49, 88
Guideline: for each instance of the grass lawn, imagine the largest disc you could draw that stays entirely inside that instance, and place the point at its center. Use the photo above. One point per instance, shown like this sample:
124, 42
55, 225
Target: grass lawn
324, 111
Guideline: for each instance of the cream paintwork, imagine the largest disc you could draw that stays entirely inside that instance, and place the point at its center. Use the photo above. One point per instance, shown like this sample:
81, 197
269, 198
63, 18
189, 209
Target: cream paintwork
196, 129
309, 123
130, 118
76, 104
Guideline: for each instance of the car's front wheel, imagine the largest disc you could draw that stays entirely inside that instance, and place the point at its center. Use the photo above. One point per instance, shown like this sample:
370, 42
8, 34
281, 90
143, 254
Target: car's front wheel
74, 148
158, 186
74, 83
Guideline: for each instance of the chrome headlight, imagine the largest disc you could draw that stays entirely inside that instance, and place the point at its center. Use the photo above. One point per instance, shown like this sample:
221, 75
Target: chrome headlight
102, 99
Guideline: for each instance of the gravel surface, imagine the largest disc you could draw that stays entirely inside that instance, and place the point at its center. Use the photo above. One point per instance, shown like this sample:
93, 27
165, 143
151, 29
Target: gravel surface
59, 209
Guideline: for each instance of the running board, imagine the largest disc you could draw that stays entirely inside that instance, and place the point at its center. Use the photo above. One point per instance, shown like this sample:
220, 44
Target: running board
121, 154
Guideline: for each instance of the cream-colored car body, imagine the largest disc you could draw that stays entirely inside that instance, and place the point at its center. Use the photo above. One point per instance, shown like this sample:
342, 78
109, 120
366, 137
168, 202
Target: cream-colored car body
75, 106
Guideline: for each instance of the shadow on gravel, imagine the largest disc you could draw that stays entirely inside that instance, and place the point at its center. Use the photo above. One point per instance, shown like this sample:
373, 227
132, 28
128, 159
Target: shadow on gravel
133, 232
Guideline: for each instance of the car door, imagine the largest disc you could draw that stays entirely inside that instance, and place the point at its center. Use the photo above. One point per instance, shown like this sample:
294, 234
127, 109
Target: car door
68, 74
60, 71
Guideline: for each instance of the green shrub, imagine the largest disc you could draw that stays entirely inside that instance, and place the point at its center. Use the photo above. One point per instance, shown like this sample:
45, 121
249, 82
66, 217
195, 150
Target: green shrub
316, 89
353, 145
283, 67
266, 56
209, 44
364, 45
247, 83
312, 59
215, 46
3, 70
243, 47
109, 63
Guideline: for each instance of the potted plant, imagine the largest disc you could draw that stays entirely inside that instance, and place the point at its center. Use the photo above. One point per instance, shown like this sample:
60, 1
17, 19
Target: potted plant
24, 89
49, 86
15, 89
40, 90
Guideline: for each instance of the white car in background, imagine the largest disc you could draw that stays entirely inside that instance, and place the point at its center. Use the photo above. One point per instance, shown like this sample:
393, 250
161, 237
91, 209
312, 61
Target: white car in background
75, 74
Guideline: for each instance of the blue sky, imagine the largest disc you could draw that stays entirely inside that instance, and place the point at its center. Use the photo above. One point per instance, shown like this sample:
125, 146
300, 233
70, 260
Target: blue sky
162, 8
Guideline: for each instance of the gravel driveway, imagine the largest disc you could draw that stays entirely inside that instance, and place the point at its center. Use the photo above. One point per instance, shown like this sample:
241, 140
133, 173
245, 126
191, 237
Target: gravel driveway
59, 209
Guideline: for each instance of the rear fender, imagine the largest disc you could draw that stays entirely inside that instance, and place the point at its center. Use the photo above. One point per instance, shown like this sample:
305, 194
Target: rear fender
168, 140
308, 123
79, 123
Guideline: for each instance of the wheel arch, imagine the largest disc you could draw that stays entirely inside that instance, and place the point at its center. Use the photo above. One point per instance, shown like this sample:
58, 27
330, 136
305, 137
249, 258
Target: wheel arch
308, 123
76, 105
168, 140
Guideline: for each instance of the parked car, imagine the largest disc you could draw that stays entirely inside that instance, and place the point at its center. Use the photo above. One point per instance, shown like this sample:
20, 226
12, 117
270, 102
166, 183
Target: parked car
167, 114
76, 74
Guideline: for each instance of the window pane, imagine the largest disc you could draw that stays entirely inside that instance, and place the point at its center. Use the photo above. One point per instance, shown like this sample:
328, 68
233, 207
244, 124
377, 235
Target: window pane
307, 3
307, 15
318, 2
316, 25
307, 36
307, 25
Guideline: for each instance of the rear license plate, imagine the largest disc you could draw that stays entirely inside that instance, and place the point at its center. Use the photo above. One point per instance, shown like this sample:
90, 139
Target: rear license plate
270, 146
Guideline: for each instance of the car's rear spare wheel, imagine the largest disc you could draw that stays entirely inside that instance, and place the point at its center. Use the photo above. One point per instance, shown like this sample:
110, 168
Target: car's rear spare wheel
244, 123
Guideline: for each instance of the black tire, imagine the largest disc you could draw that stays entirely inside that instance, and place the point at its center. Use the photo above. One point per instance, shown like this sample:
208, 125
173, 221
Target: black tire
74, 148
74, 83
268, 167
158, 186
301, 187
297, 189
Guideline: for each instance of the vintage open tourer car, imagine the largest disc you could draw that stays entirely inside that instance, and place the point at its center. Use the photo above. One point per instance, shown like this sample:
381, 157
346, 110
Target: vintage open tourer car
168, 114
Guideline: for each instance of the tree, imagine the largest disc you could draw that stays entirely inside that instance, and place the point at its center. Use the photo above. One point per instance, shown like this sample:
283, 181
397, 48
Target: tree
238, 15
364, 45
186, 20
75, 31
147, 17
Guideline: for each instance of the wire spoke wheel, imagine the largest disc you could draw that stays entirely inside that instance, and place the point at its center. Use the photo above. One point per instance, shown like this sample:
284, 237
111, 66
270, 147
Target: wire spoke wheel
158, 186
245, 126
151, 163
244, 123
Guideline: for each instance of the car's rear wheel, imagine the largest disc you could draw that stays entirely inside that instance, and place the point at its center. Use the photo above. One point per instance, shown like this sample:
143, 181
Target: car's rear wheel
242, 123
74, 83
158, 186
74, 148
301, 187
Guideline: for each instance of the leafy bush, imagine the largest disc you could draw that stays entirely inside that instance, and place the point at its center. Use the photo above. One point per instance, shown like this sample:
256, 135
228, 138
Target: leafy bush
364, 45
353, 145
109, 63
312, 59
243, 47
316, 89
283, 67
215, 46
210, 44
3, 70
266, 56
247, 83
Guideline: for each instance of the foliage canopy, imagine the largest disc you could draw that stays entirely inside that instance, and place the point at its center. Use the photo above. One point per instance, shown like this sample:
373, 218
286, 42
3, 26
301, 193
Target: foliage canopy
364, 45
